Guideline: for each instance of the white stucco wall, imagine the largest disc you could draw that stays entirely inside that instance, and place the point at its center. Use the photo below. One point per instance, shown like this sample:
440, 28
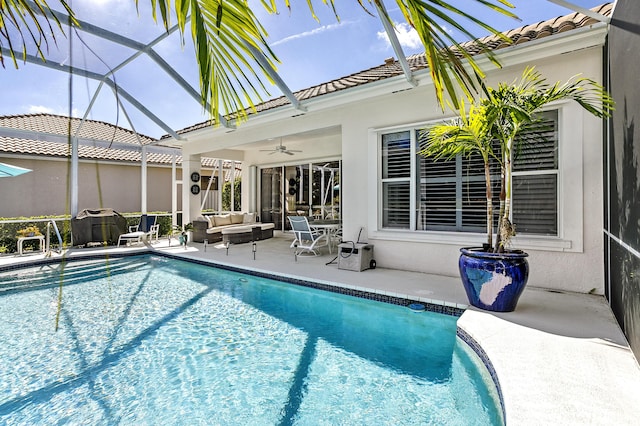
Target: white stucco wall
572, 261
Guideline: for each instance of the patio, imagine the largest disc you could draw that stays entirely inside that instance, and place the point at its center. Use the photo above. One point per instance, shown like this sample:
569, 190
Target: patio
560, 357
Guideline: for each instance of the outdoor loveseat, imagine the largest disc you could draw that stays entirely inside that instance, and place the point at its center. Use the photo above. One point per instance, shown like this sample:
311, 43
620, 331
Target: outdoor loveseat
231, 227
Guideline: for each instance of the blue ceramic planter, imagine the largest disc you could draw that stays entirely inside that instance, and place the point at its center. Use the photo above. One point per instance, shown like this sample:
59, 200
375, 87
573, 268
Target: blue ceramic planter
493, 281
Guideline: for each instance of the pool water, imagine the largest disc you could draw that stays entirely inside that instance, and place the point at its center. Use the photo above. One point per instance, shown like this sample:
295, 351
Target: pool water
152, 340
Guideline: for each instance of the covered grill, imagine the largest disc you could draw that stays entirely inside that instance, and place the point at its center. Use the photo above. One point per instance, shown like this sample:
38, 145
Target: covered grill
97, 226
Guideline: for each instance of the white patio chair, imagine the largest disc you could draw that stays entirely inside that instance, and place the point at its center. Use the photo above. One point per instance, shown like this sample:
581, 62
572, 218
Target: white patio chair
306, 240
146, 229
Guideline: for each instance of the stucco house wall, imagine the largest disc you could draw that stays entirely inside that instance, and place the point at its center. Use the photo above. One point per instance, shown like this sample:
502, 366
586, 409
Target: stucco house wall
576, 253
116, 186
356, 117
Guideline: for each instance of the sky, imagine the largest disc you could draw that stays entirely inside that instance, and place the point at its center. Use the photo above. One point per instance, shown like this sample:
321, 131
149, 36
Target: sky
310, 52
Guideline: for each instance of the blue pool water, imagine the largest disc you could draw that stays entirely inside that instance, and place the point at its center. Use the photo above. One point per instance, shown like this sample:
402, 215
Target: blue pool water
151, 340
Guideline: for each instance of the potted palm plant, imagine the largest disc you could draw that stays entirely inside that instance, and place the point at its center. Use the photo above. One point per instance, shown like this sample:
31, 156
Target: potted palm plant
495, 275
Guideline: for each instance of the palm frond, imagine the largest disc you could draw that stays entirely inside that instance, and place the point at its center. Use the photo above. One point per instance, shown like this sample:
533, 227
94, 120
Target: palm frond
18, 15
464, 135
445, 56
227, 37
224, 33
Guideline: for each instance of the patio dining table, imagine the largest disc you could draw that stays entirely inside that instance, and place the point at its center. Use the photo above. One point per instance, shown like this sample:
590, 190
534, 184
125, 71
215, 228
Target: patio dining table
329, 228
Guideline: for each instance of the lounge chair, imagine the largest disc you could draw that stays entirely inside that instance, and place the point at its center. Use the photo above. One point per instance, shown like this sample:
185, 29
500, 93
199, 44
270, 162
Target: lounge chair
146, 229
306, 240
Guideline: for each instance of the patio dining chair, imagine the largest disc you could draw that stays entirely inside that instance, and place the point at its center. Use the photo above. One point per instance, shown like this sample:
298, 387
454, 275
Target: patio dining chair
306, 240
146, 229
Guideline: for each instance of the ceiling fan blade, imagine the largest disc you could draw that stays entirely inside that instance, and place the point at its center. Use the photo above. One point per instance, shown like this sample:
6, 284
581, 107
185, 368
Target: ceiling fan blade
288, 152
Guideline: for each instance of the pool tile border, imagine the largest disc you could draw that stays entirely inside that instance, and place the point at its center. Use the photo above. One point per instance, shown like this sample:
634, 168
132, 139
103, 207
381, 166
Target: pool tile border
331, 287
444, 308
475, 346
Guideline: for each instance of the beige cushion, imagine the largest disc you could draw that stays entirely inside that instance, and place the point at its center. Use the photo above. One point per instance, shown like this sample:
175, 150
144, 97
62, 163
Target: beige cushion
237, 218
216, 229
249, 218
236, 230
223, 219
208, 220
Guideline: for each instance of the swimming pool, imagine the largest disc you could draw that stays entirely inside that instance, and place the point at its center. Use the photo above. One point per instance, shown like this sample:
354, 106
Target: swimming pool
154, 340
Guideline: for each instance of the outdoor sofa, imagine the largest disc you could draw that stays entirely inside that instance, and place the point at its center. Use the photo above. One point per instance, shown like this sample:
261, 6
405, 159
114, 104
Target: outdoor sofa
231, 227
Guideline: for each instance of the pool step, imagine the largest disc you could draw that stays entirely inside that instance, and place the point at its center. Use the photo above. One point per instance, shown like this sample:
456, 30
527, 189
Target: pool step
73, 273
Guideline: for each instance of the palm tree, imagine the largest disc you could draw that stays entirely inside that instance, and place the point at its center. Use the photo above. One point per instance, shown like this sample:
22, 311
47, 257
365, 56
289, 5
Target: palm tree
466, 135
501, 117
228, 38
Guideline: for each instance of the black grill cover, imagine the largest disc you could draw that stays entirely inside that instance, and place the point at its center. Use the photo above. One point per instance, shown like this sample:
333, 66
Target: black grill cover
97, 225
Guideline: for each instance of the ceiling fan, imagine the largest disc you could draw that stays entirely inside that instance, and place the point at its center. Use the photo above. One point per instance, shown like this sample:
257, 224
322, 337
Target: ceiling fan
282, 149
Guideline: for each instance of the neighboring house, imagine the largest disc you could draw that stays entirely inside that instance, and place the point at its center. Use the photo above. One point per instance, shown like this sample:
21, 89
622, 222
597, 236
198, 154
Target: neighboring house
417, 215
109, 169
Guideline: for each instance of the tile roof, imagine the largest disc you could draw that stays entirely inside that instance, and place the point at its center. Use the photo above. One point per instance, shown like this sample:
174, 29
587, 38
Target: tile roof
59, 125
46, 135
417, 62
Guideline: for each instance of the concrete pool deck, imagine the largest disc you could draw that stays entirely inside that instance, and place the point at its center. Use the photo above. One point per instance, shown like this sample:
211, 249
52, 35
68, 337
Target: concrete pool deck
560, 358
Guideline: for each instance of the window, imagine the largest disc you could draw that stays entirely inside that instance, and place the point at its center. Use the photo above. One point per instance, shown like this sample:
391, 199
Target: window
396, 179
450, 195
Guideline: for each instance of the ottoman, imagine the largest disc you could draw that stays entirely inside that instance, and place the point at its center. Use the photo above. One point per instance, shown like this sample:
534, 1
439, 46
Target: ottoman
237, 235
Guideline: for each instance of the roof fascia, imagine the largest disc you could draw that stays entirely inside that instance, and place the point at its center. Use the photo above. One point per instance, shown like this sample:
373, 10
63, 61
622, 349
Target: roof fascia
42, 157
227, 154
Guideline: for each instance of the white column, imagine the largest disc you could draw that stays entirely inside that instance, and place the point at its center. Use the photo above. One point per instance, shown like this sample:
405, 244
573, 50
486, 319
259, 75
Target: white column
143, 180
190, 201
73, 197
232, 177
249, 185
174, 191
220, 182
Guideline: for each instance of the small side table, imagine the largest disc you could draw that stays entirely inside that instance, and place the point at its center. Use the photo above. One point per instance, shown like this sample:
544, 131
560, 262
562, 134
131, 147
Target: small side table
40, 239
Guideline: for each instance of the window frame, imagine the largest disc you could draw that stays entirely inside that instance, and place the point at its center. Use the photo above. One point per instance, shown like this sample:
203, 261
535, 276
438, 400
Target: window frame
569, 190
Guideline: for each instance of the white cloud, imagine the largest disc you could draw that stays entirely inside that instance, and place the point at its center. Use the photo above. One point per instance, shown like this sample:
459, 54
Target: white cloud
315, 31
41, 109
407, 36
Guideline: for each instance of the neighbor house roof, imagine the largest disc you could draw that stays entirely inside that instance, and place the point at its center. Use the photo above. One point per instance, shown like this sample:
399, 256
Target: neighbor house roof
392, 68
60, 125
47, 135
